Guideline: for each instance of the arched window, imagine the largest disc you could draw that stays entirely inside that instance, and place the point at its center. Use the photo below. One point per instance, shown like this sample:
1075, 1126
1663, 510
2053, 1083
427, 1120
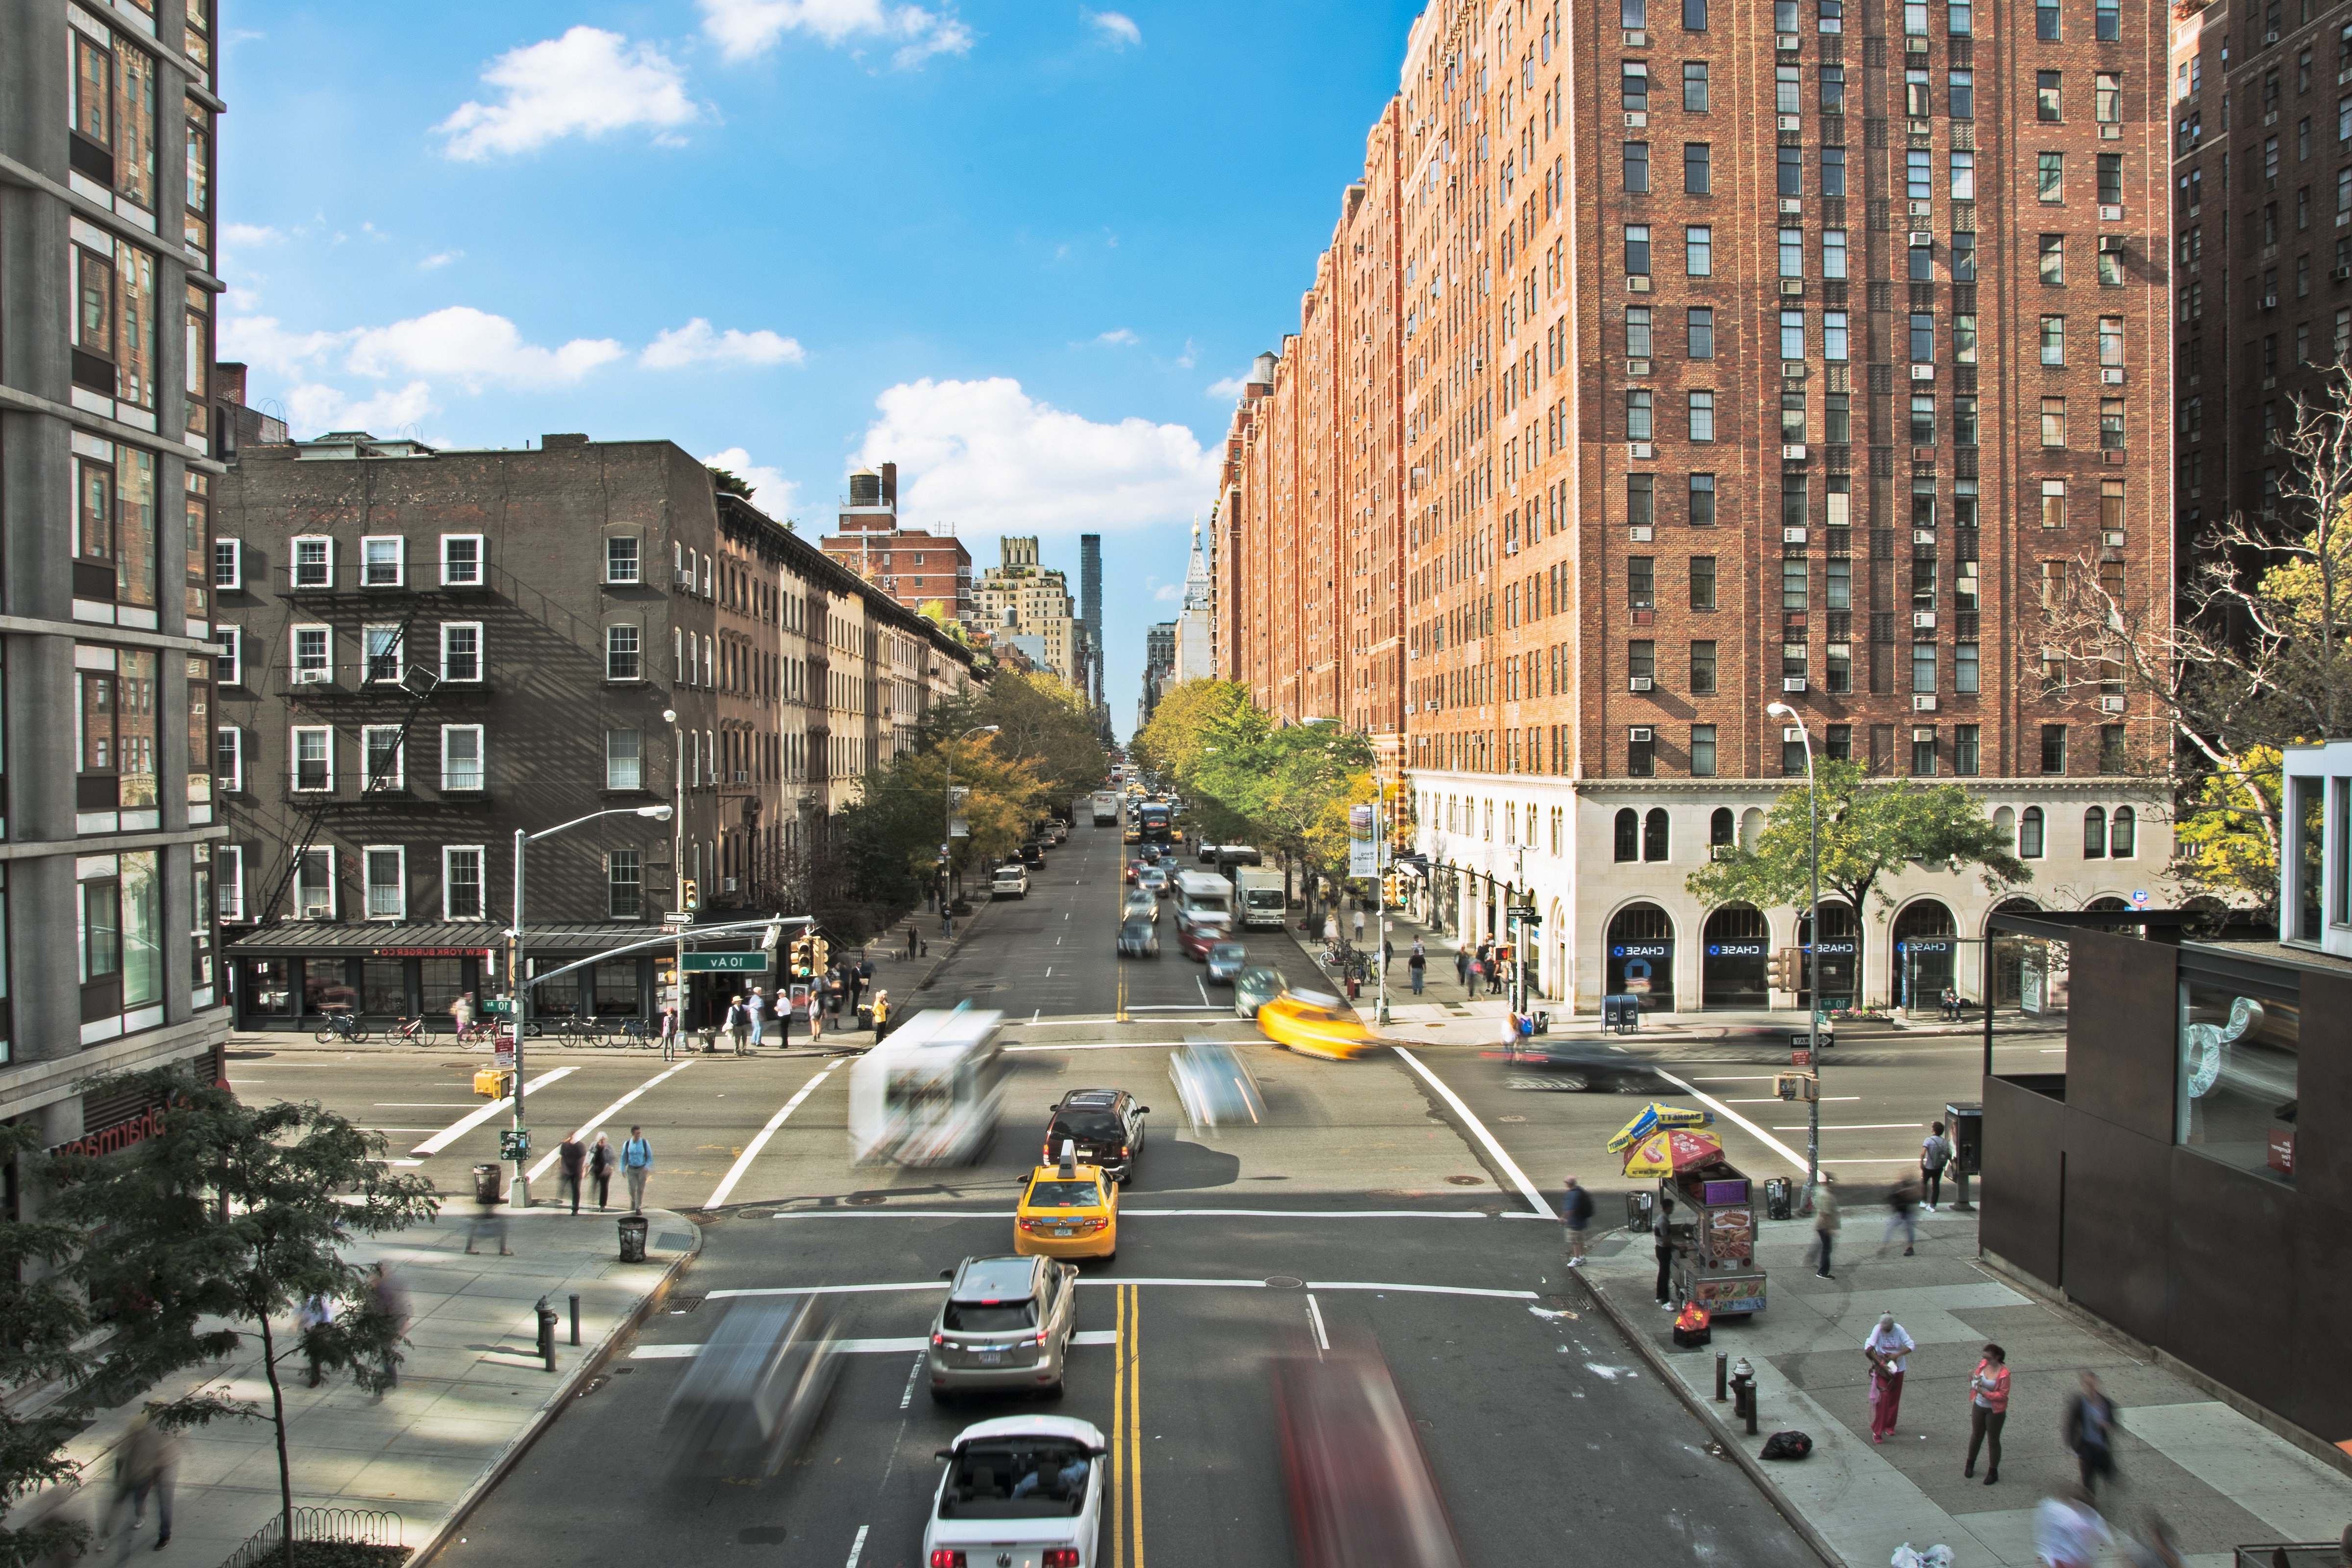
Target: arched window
1722, 830
2122, 833
2004, 821
2095, 834
1656, 835
2029, 834
1752, 827
1629, 835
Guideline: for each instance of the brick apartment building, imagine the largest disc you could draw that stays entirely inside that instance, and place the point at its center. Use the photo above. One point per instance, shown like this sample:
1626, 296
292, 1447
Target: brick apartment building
421, 651
912, 566
1688, 419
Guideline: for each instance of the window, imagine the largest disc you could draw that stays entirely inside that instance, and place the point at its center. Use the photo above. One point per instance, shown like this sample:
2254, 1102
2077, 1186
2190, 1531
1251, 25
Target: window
387, 883
1923, 752
1833, 253
1702, 669
228, 655
313, 749
2111, 261
1923, 667
313, 562
1793, 335
1792, 253
1702, 415
1637, 167
1626, 835
228, 563
2054, 258
2050, 176
2110, 172
228, 759
2029, 834
229, 881
1922, 264
1702, 582
1634, 87
1788, 91
2045, 21
382, 750
1923, 419
461, 560
1702, 751
1641, 499
1834, 90
2122, 833
623, 561
1965, 754
622, 661
1833, 15
313, 654
461, 650
1833, 339
1965, 670
623, 884
1656, 835
1792, 753
1964, 421
1637, 332
1699, 250
1918, 173
461, 758
1795, 585
1964, 338
1923, 338
1702, 501
1837, 429
2053, 749
2238, 1077
1964, 256
386, 652
2054, 421
2053, 341
380, 561
1961, 94
1963, 172
1638, 423
461, 883
1637, 250
1641, 754
625, 760
1698, 333
1694, 87
1792, 433
1696, 156
2047, 96
1641, 659
2107, 20
1914, 93
1642, 582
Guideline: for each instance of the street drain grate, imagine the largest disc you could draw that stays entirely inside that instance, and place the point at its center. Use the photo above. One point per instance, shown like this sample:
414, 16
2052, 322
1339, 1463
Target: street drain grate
866, 1200
674, 1240
683, 1303
1467, 1181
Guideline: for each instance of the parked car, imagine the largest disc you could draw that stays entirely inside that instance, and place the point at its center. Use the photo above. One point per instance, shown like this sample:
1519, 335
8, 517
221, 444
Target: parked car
1033, 855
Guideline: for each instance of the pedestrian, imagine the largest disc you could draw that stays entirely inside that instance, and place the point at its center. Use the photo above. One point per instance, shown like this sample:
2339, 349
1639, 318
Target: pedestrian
1888, 1350
636, 1161
490, 1222
2155, 1549
780, 1008
390, 1302
1825, 1224
670, 1032
813, 1002
1901, 1215
1359, 925
865, 972
1935, 1153
318, 1314
837, 990
1575, 1215
758, 1008
1662, 1238
911, 937
600, 1167
1415, 964
572, 1156
1951, 1006
1988, 1412
2090, 1433
881, 1014
2067, 1530
1331, 930
1477, 974
143, 1463
461, 1014
1461, 967
739, 1024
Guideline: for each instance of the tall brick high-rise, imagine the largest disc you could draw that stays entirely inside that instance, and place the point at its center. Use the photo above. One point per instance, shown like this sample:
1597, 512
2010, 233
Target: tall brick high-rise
1711, 358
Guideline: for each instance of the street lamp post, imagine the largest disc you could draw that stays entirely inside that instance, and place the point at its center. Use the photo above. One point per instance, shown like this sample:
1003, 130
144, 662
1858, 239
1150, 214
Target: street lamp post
518, 967
1813, 958
947, 838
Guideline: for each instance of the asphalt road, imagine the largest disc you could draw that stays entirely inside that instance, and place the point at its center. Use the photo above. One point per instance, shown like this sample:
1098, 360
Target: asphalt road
1387, 1199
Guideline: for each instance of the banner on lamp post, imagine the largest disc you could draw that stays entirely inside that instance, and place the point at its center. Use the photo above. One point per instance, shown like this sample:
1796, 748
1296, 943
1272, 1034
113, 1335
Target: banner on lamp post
1363, 857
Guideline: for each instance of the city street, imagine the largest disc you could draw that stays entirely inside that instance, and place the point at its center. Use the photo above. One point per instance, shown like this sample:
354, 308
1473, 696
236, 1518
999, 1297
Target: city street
1394, 1197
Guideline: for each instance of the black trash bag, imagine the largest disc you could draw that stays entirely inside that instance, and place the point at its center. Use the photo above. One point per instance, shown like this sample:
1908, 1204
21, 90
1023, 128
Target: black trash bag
1787, 1446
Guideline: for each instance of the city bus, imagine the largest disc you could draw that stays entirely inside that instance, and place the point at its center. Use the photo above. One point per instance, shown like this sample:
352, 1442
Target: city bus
929, 1094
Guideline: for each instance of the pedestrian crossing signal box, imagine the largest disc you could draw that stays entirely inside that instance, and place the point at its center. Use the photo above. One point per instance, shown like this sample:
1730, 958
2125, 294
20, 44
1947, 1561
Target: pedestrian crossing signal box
1797, 1086
493, 1083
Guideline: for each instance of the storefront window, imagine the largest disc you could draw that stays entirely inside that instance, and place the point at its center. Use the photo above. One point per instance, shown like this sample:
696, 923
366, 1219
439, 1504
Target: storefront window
444, 982
616, 989
326, 987
268, 986
384, 987
556, 999
2238, 1081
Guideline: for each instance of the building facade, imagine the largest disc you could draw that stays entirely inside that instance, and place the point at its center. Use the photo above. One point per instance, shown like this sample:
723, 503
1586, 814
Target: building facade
1693, 420
1033, 600
1090, 610
913, 565
110, 448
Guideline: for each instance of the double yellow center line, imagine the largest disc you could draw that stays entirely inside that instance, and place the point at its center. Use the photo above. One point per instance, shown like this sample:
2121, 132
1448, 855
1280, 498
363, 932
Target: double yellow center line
1126, 1437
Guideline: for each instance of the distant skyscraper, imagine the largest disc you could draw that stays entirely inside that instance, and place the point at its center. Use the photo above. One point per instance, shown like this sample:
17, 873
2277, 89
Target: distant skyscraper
1090, 602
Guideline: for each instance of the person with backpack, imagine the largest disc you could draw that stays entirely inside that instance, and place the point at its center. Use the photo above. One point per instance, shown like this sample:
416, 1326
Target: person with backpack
1935, 1153
1575, 1215
739, 1024
636, 1164
1415, 964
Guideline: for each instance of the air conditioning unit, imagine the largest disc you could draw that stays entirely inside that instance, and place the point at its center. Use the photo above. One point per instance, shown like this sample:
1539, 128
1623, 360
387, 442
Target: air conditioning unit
1637, 367
1922, 372
1922, 238
1923, 210
2339, 273
2111, 214
1635, 38
1637, 284
1792, 287
2270, 383
2270, 301
1641, 734
1792, 369
1644, 532
729, 884
1786, 41
2270, 37
1792, 535
1793, 734
1645, 616
1923, 536
1637, 118
1641, 450
1923, 702
2111, 704
1923, 620
1791, 123
1790, 207
311, 678
1638, 683
1792, 683
2111, 375
2112, 539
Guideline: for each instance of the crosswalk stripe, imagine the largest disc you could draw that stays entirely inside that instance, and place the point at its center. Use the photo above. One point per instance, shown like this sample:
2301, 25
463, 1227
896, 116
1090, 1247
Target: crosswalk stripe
606, 1115
751, 1151
463, 1125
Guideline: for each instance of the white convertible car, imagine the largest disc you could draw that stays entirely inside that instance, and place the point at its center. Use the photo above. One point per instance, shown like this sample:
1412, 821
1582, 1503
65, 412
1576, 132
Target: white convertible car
1022, 1491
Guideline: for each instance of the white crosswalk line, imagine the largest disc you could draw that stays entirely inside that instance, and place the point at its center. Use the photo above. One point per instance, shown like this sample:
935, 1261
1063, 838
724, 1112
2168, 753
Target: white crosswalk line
1478, 1129
751, 1150
463, 1125
605, 1116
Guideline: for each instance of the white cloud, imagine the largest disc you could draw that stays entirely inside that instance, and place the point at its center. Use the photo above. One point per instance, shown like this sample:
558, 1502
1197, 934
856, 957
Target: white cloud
771, 491
312, 408
1118, 338
745, 28
475, 347
249, 235
986, 455
1190, 357
439, 259
696, 343
1168, 592
260, 340
1228, 390
1118, 29
586, 84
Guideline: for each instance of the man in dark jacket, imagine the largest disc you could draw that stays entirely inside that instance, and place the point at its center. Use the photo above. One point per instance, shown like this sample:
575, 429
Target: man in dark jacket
2090, 1431
1575, 1215
573, 1155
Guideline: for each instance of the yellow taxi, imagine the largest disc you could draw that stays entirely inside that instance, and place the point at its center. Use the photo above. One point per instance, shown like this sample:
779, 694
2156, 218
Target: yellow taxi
1315, 1025
1068, 1211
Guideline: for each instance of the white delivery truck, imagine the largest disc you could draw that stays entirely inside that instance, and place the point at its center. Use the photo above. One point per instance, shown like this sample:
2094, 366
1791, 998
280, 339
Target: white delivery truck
1260, 892
930, 1093
1107, 808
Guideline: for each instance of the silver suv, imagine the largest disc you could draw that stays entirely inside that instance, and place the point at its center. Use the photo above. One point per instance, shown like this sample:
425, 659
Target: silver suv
1005, 1328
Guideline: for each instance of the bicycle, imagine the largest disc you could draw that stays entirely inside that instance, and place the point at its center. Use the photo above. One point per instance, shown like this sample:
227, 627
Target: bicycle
409, 1029
343, 1024
637, 1032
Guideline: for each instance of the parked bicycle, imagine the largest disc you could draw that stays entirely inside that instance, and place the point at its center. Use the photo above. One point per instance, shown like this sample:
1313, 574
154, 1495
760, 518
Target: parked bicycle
339, 1026
412, 1030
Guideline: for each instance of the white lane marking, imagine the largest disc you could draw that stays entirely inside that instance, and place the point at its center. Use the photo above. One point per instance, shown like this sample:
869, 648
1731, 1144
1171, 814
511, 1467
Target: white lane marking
1315, 1316
906, 1394
1714, 1104
751, 1150
423, 1104
1776, 1100
1174, 1007
858, 1545
1745, 1077
1417, 1289
604, 1116
1088, 1337
1204, 991
1058, 940
463, 1125
1889, 1160
1107, 1280
827, 1289
1510, 1167
1099, 1046
886, 1212
1036, 1013
1049, 971
1850, 1127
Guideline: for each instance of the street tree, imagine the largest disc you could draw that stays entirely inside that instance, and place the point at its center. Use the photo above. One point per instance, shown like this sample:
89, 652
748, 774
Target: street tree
216, 1228
1294, 787
1870, 828
1042, 721
1196, 724
890, 835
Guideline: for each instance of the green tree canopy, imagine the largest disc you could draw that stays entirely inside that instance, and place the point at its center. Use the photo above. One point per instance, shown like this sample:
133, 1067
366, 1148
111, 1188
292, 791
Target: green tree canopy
1870, 827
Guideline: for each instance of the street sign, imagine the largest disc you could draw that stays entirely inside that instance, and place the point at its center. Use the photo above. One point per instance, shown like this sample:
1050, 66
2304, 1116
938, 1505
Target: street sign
498, 1004
514, 1143
1525, 914
1802, 1057
1363, 857
958, 827
2139, 897
726, 964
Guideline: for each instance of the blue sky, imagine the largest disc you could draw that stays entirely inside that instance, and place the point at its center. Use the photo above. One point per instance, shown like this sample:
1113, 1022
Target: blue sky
1014, 245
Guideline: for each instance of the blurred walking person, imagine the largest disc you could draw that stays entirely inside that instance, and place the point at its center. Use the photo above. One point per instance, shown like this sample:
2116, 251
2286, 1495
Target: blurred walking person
2090, 1433
1988, 1410
1662, 1238
600, 1166
317, 1315
2157, 1549
390, 1302
144, 1464
1575, 1215
572, 1156
2068, 1532
1825, 1224
1888, 1351
637, 1164
1901, 1215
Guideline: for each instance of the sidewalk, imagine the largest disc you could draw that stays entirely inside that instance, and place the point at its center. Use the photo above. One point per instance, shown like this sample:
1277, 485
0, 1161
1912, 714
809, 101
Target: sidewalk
2220, 1479
472, 1395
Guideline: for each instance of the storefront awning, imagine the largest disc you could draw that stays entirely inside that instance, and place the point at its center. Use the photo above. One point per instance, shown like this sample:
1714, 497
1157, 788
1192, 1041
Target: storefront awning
459, 939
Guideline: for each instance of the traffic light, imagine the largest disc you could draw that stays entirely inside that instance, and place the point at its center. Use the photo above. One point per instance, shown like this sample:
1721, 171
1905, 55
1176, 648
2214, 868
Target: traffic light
1392, 890
819, 953
1783, 969
690, 895
801, 951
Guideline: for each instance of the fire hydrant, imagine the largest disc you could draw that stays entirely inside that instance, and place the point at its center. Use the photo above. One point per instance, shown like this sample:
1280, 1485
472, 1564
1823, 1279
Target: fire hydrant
547, 1333
1743, 1393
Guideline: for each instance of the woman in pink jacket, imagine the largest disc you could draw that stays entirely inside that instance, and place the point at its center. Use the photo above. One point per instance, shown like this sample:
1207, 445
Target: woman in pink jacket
1988, 1410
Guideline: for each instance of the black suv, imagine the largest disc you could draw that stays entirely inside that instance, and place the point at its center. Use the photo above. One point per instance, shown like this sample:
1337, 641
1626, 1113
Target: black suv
1033, 855
1105, 1123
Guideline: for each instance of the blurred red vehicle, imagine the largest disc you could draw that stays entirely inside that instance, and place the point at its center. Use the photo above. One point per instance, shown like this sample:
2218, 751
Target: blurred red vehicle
1360, 1492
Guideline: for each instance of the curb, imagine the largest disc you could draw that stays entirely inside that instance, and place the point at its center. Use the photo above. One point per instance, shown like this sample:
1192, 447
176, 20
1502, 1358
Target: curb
589, 1364
1705, 1410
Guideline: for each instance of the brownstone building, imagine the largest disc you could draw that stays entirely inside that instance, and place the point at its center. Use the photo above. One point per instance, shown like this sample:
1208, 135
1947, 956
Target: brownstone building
1742, 355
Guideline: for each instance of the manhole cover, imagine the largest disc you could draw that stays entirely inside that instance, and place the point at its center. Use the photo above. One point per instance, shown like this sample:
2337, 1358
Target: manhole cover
1467, 1181
1284, 1283
864, 1200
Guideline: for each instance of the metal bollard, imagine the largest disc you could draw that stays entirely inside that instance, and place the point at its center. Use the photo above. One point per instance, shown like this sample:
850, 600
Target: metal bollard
1722, 1362
547, 1333
575, 1317
1961, 1203
1743, 1394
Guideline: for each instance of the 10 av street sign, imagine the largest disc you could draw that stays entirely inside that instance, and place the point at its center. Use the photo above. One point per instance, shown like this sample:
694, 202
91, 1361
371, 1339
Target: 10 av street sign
726, 964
